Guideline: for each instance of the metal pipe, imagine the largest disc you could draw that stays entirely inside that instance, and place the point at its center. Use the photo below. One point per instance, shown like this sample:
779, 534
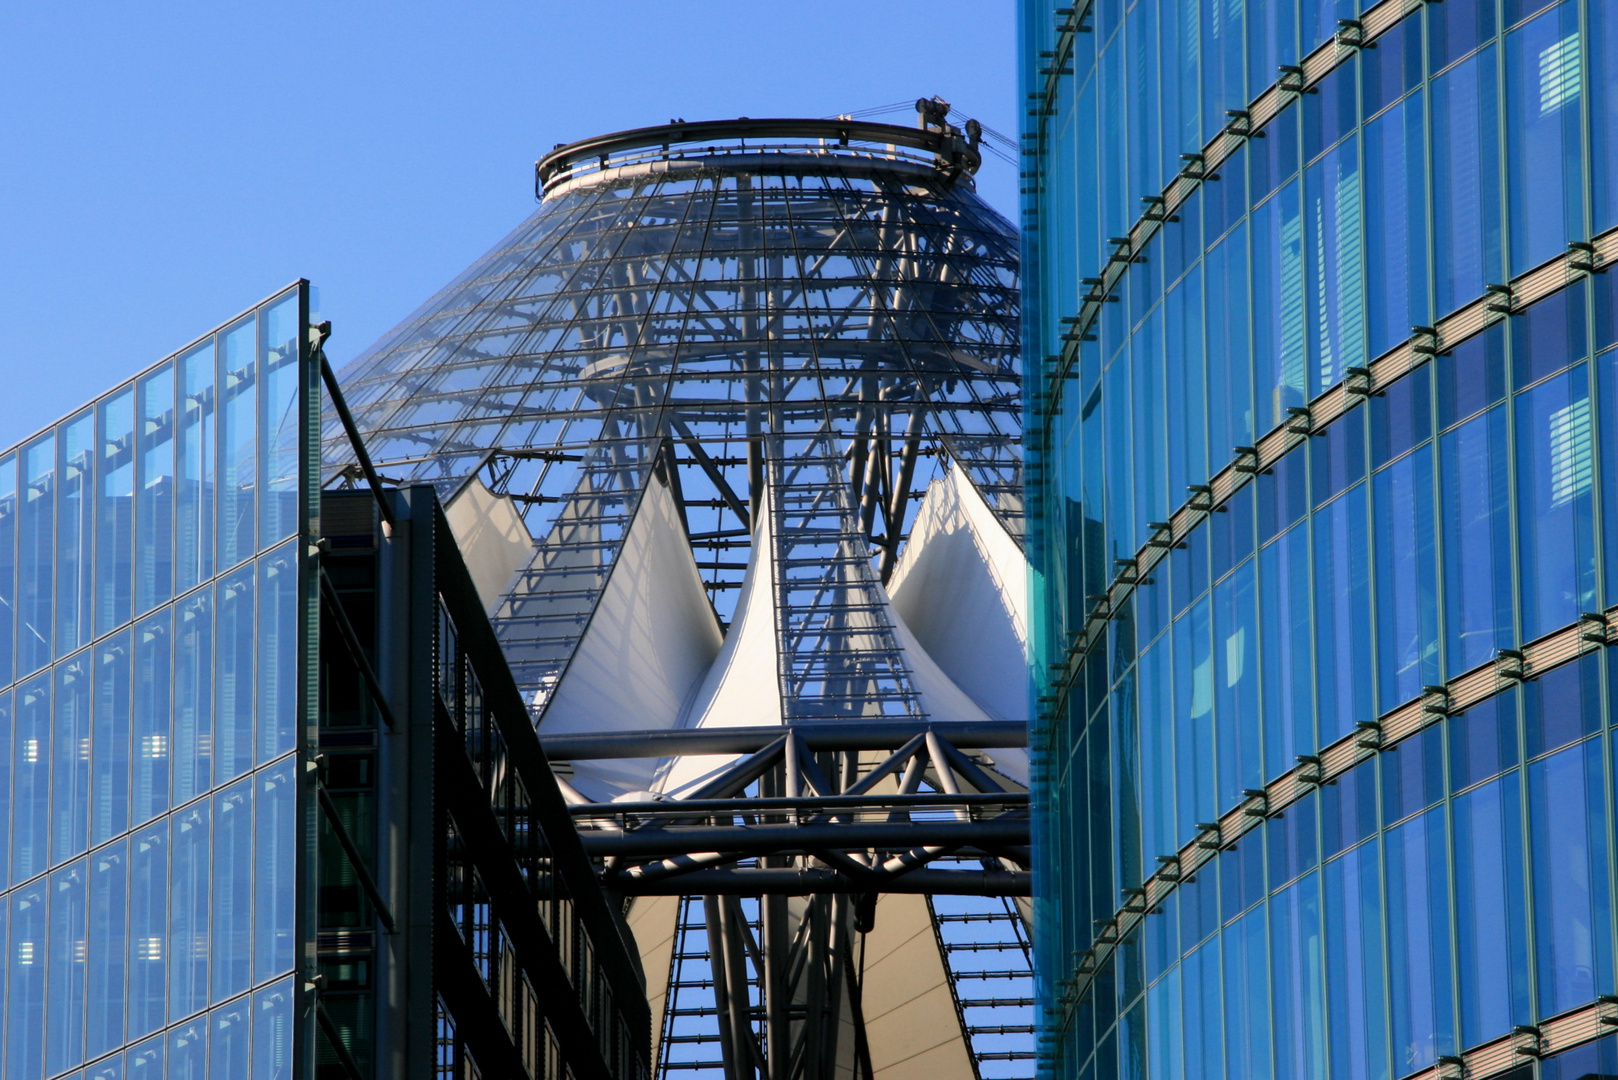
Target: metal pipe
353, 433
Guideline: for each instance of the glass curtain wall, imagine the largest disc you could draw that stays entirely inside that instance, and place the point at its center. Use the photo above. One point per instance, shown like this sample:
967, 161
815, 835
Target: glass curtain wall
1456, 885
152, 615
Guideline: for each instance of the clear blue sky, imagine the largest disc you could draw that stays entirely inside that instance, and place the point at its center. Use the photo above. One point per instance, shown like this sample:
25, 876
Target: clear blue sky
163, 166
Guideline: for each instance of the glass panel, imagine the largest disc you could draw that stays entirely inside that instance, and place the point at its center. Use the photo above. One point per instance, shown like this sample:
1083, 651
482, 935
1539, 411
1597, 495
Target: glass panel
1279, 334
8, 565
1194, 719
1603, 38
195, 487
188, 1051
1474, 461
275, 870
1454, 31
109, 768
70, 760
154, 498
75, 532
1418, 937
280, 425
64, 1014
1236, 688
1337, 457
1356, 982
188, 914
35, 544
232, 879
1342, 614
193, 697
148, 928
145, 1062
1555, 470
110, 1069
1567, 812
115, 511
1406, 579
1466, 181
1562, 706
1401, 416
25, 983
272, 1032
1412, 774
5, 787
1334, 210
278, 620
1491, 920
151, 715
238, 441
1289, 715
108, 949
233, 713
1298, 993
1549, 335
30, 780
1347, 810
1483, 740
1544, 151
1247, 1012
1473, 376
230, 1044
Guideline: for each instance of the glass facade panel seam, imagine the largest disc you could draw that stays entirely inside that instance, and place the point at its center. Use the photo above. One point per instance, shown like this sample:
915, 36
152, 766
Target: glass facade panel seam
1421, 236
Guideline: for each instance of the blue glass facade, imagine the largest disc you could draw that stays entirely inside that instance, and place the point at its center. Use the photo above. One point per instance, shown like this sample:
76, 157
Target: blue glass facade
1323, 509
152, 618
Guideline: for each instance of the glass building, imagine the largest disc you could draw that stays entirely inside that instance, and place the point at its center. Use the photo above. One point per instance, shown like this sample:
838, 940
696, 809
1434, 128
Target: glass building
1322, 443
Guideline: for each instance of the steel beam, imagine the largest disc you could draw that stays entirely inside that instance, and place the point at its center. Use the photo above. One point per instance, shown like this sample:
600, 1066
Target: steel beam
880, 735
996, 832
814, 881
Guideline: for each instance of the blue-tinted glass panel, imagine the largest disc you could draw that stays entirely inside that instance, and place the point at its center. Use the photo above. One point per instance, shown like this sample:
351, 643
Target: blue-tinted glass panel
1603, 40
1337, 457
145, 1062
1392, 69
1406, 579
25, 982
75, 531
1567, 811
1475, 491
1292, 841
230, 1039
1279, 326
1472, 376
1420, 984
1466, 179
110, 742
70, 759
30, 780
111, 1068
1298, 996
64, 1011
1348, 810
108, 949
153, 640
1401, 416
1289, 715
115, 511
8, 565
1544, 148
193, 696
1283, 495
233, 680
1334, 209
195, 483
188, 1050
148, 927
1247, 1013
1555, 473
36, 541
274, 870
1593, 1059
1491, 917
1342, 615
1413, 774
272, 1032
1236, 685
280, 426
1549, 335
1194, 718
154, 496
1562, 706
188, 912
238, 441
1272, 40
1483, 740
278, 618
1356, 983
232, 883
6, 734
1454, 31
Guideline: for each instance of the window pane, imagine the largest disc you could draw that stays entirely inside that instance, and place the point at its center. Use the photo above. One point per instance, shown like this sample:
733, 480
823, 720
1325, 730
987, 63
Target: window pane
188, 914
1544, 151
1194, 719
1567, 812
272, 1032
1555, 470
238, 441
1236, 689
230, 1040
193, 697
109, 770
194, 487
1491, 920
1355, 990
1289, 715
154, 497
1603, 36
151, 715
1466, 181
115, 511
1418, 937
1483, 740
1279, 336
1247, 1013
6, 733
30, 780
1472, 376
188, 1051
64, 1014
148, 928
1562, 706
1549, 335
70, 760
35, 544
1334, 211
278, 636
25, 983
108, 948
74, 532
275, 870
1474, 461
1299, 997
233, 713
1406, 582
232, 878
1342, 614
110, 1069
145, 1062
8, 565
280, 426
1454, 31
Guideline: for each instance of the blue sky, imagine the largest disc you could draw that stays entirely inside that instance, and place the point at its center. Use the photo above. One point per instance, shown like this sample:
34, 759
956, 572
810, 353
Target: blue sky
164, 166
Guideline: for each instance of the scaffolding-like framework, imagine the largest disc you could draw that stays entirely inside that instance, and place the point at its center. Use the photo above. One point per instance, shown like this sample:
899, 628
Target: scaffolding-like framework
788, 330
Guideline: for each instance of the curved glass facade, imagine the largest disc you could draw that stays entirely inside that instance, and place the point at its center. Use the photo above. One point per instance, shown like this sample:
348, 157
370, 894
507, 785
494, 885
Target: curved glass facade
1327, 424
